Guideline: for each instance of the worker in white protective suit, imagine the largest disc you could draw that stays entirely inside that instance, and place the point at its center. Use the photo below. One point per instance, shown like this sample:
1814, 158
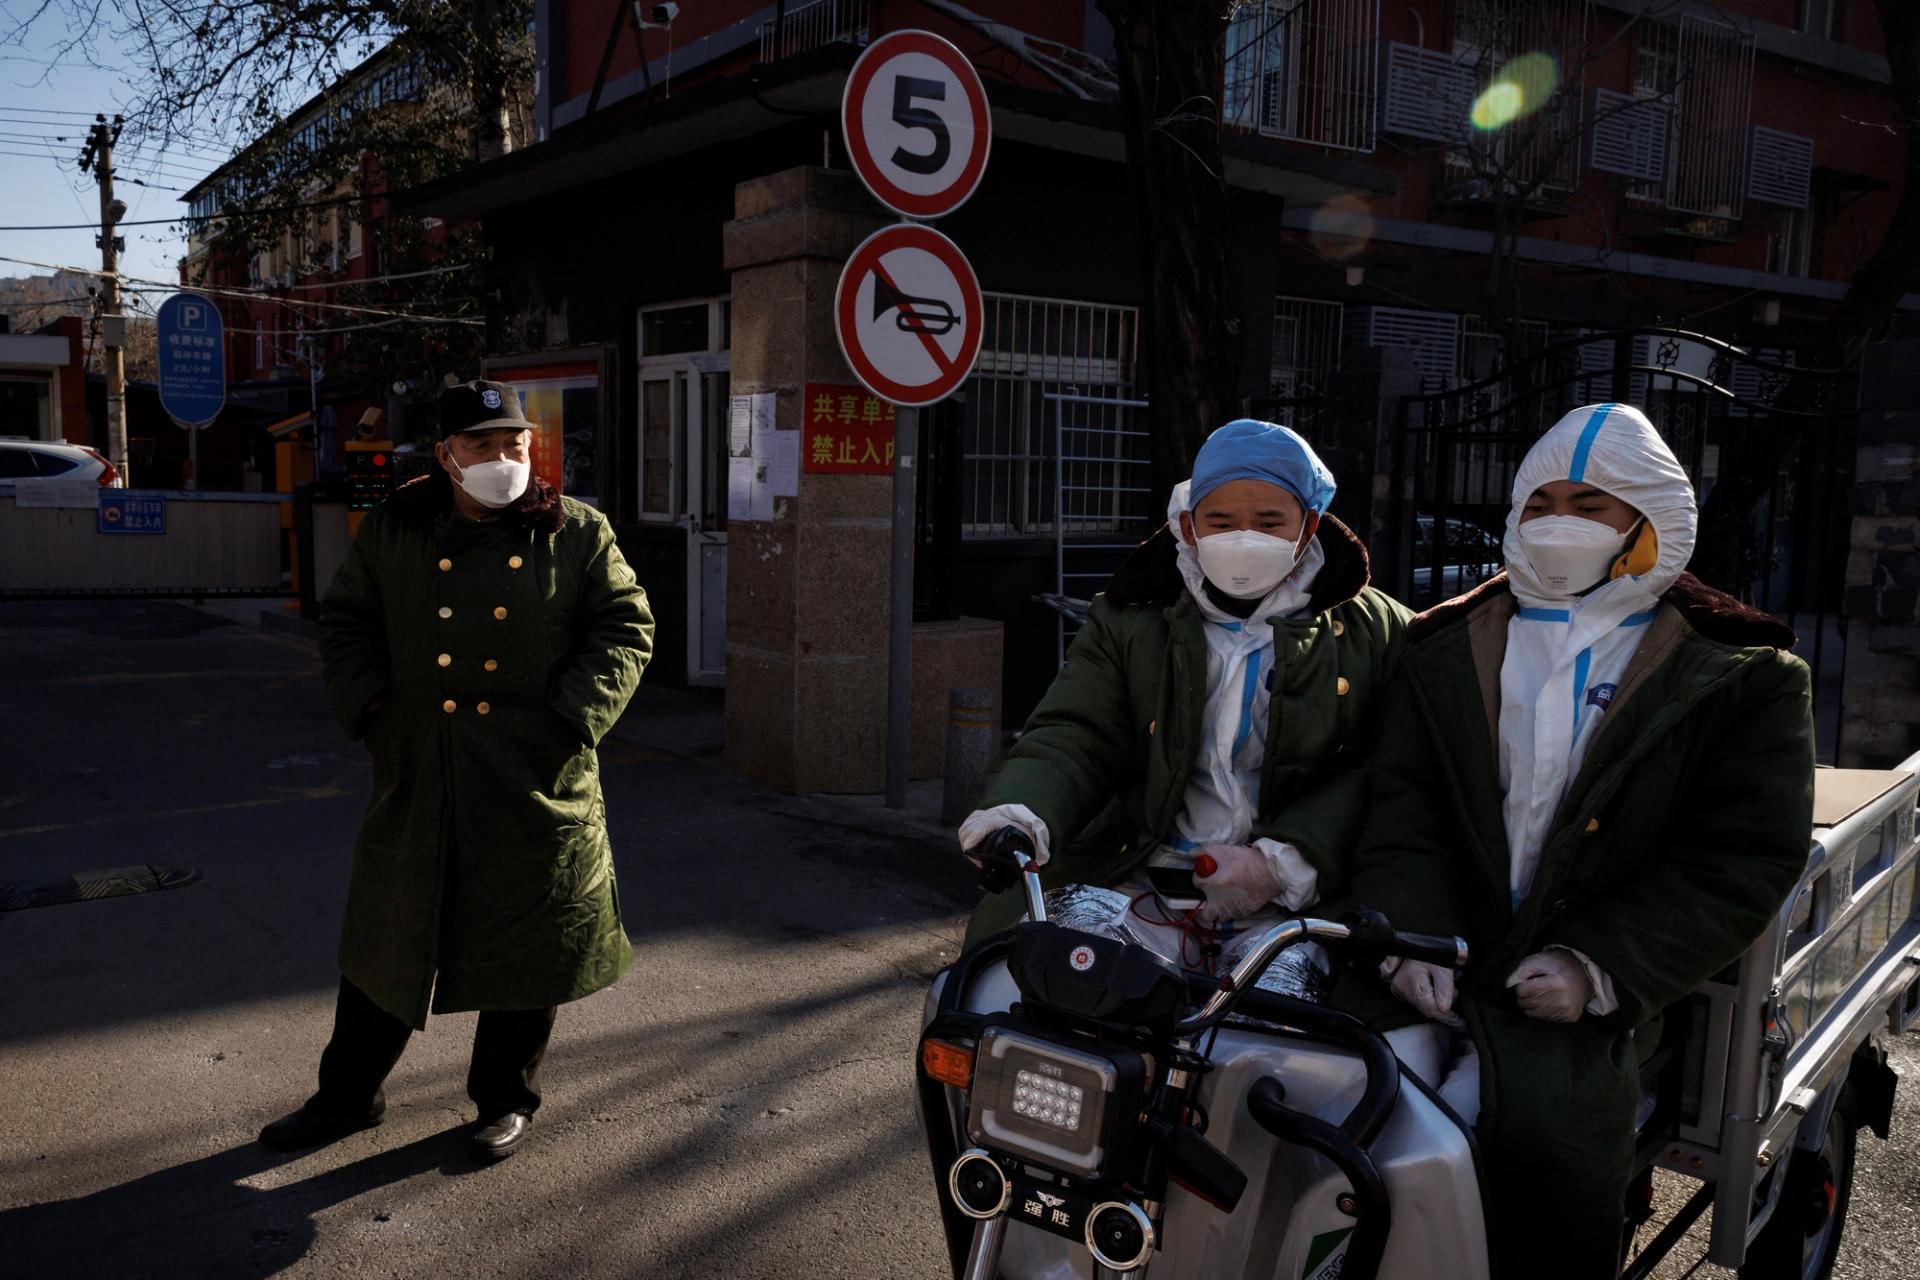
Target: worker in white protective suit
1646, 744
1207, 710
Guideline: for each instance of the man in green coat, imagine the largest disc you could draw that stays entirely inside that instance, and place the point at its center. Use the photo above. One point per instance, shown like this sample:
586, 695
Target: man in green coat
1219, 700
482, 636
1599, 773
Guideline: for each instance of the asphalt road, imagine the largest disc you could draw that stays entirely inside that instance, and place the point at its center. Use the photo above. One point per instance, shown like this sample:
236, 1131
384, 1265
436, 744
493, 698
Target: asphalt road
737, 1107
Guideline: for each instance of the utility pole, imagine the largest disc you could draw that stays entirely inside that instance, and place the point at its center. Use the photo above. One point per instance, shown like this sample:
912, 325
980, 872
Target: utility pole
98, 156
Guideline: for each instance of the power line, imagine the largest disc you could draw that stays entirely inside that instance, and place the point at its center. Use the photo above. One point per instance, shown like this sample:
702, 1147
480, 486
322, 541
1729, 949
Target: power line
249, 296
46, 111
213, 217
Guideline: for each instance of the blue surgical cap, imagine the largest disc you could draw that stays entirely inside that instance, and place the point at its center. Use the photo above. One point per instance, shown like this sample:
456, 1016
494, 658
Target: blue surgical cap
1251, 450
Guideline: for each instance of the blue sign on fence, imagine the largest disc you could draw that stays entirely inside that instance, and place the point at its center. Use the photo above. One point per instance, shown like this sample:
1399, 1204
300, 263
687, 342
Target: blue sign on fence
123, 512
193, 359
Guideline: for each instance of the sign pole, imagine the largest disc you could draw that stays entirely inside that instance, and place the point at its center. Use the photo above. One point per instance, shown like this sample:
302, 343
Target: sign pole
900, 621
193, 454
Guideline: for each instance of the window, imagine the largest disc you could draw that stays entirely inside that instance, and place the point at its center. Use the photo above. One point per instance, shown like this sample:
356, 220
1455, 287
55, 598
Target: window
52, 464
1303, 69
680, 349
1306, 347
26, 409
1699, 72
15, 464
356, 239
1032, 346
1790, 243
674, 330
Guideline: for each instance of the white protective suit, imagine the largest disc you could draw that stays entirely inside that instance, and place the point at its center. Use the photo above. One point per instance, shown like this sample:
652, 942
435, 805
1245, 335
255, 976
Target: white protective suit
1566, 655
1223, 792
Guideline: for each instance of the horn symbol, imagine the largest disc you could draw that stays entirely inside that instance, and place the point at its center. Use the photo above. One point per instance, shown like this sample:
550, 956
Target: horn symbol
934, 317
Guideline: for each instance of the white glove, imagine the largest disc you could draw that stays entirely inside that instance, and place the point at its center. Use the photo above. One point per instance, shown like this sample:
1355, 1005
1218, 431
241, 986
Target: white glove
1552, 986
1427, 987
1246, 881
984, 822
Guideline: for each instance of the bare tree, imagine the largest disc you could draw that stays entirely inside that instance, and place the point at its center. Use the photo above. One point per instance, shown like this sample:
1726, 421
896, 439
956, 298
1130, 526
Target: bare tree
1172, 74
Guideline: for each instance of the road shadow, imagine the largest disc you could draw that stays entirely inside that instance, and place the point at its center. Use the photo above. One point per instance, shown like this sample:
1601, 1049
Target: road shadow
203, 1218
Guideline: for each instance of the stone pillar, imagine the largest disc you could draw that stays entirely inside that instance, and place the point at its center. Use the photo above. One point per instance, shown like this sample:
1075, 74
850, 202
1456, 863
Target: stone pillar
1880, 704
807, 590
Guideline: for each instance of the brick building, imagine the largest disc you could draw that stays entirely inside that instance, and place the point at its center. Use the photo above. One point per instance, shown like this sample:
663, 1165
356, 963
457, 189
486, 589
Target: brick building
1421, 194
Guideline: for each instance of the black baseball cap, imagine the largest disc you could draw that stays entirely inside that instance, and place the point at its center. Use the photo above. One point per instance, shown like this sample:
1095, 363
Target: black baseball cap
480, 406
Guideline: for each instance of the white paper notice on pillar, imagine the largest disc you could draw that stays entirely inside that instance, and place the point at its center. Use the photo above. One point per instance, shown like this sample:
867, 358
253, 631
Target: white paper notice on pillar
915, 120
908, 315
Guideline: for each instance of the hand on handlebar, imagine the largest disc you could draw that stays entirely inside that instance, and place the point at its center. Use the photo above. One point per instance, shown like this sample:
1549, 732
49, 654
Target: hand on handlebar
1427, 987
986, 822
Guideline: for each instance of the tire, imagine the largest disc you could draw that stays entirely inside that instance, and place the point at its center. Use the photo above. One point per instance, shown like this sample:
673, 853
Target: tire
1802, 1239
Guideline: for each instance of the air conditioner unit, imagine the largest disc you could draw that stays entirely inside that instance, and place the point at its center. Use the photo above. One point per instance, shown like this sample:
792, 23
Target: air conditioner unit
1428, 94
1781, 168
1630, 135
1431, 338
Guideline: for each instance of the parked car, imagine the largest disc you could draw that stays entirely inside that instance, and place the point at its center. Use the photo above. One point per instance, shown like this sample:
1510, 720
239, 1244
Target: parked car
23, 459
1473, 556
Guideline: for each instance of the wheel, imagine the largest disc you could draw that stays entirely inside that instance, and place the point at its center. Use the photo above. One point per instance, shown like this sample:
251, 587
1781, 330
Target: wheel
1802, 1239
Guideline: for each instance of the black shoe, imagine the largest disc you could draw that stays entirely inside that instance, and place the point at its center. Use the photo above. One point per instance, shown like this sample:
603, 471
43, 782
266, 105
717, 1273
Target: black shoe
313, 1127
498, 1139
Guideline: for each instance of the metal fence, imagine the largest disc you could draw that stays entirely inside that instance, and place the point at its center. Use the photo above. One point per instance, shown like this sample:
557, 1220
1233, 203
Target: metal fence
1032, 348
1305, 70
1769, 448
1102, 480
811, 26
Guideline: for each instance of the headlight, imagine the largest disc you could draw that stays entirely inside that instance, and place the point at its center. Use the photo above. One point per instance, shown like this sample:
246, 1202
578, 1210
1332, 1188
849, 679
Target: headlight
1062, 1106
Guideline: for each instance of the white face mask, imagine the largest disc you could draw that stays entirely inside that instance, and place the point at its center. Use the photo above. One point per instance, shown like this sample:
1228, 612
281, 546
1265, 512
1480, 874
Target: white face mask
1245, 564
493, 484
1570, 553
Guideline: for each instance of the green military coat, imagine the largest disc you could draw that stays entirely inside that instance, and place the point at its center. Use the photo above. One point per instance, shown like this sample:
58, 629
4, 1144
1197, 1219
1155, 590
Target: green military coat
1684, 830
482, 661
1106, 757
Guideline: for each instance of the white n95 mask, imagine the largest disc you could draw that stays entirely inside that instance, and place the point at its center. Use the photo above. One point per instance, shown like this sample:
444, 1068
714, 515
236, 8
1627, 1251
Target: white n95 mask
494, 484
1246, 564
1570, 553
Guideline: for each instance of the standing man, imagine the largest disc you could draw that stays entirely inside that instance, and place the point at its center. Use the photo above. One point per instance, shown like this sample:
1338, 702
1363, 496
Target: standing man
482, 636
1600, 773
1219, 699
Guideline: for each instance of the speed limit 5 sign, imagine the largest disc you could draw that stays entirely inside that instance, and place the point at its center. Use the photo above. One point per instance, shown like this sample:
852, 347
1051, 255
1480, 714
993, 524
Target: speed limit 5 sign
915, 119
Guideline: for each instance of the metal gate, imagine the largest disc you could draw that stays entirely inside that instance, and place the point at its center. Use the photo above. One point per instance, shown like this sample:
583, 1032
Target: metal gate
1101, 480
1769, 448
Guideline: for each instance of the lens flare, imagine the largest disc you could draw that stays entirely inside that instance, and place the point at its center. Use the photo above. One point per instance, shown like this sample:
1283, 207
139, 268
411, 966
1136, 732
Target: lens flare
1521, 88
1341, 228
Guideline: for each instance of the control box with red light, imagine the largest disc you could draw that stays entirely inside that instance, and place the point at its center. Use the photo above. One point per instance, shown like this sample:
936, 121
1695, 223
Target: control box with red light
369, 473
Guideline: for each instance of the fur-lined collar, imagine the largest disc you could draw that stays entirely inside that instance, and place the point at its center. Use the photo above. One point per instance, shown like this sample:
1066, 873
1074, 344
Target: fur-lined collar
424, 497
1151, 575
1714, 614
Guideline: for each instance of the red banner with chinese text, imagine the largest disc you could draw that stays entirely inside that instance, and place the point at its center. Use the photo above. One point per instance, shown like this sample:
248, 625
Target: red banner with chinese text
849, 431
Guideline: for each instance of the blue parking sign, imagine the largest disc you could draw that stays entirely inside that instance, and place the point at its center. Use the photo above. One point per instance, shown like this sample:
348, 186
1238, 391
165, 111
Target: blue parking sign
193, 359
123, 512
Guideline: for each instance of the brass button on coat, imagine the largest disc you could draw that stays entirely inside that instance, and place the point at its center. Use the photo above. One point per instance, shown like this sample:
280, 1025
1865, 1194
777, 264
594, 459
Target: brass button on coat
445, 659
1559, 905
449, 706
1341, 686
500, 611
445, 612
445, 564
1339, 627
1593, 825
491, 665
482, 707
514, 562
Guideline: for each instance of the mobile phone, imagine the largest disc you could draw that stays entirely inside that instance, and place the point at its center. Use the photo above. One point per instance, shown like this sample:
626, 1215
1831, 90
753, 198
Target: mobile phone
1173, 882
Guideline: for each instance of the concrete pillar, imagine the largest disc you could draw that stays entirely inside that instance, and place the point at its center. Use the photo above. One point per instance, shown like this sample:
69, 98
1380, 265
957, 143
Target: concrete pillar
1880, 704
806, 590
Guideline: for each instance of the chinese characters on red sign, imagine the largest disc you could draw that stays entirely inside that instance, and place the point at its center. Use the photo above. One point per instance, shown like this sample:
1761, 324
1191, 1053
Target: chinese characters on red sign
849, 431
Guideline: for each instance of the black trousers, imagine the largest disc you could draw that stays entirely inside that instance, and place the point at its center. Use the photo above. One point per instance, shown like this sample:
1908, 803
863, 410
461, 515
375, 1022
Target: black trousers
503, 1075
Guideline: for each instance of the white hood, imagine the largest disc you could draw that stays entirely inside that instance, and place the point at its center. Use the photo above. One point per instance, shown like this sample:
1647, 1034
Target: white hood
1612, 447
1285, 600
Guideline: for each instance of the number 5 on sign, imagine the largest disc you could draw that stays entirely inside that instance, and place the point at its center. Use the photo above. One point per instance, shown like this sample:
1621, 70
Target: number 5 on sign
915, 118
